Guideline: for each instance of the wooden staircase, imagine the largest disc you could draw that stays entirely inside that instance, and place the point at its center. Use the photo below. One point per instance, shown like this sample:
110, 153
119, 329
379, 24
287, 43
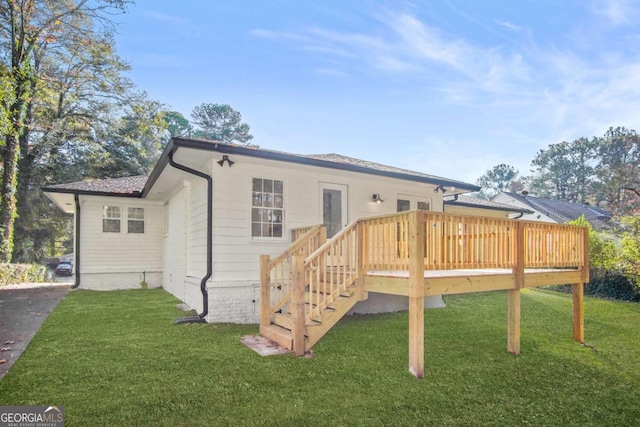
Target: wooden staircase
306, 290
280, 330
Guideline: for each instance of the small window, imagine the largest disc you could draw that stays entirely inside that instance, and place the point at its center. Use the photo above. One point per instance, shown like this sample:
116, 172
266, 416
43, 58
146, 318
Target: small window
135, 220
423, 206
111, 219
267, 208
403, 205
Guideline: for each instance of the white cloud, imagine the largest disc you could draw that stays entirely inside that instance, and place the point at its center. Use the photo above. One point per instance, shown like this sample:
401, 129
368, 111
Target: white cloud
330, 72
268, 34
170, 19
508, 25
556, 86
618, 12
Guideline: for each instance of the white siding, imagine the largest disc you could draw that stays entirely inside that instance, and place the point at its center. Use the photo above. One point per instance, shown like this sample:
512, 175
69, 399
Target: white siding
175, 243
186, 241
197, 229
119, 260
236, 254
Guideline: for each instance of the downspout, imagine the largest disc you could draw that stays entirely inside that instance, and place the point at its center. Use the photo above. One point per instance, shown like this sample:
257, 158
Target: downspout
76, 198
201, 318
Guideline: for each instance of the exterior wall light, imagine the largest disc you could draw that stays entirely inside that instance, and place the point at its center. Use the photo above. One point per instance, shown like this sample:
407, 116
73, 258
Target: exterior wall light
225, 158
376, 198
440, 188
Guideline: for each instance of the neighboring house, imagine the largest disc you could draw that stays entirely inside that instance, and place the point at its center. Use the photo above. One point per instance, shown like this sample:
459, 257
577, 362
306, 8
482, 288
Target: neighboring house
468, 205
208, 210
555, 211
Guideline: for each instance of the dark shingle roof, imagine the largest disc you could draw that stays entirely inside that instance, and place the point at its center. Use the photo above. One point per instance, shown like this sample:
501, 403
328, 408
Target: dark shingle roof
136, 186
340, 159
475, 202
562, 211
130, 186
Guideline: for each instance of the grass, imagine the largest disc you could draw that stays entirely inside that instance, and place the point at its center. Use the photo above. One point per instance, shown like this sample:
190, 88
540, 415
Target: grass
115, 358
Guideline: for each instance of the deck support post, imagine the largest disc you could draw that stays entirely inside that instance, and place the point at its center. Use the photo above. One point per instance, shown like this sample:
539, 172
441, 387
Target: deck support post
513, 295
513, 326
265, 290
297, 303
577, 290
416, 294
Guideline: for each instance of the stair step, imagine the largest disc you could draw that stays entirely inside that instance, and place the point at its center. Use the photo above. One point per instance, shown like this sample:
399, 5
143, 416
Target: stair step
286, 321
278, 335
318, 290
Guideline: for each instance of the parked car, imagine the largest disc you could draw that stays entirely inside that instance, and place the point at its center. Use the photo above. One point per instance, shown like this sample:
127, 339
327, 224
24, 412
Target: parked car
64, 269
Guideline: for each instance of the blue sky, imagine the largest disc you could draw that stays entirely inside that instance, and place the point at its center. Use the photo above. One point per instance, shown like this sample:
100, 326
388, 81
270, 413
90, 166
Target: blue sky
450, 88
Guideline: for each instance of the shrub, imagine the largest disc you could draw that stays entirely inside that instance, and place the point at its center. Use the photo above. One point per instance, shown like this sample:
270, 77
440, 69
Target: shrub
615, 268
613, 284
21, 273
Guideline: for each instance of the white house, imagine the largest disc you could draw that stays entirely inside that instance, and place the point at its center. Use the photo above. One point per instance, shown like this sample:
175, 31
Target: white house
198, 224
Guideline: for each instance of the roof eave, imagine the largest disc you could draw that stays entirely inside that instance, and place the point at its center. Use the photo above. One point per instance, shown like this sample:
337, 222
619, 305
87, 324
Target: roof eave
134, 194
291, 158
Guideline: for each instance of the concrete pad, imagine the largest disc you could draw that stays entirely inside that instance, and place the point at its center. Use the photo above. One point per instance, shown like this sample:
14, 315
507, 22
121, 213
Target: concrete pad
263, 346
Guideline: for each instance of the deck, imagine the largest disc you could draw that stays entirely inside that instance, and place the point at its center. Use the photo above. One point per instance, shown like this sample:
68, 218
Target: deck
309, 287
462, 281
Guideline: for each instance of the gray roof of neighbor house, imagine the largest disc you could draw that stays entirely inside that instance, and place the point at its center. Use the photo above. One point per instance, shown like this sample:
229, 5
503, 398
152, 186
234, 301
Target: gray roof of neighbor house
562, 211
474, 202
129, 186
138, 186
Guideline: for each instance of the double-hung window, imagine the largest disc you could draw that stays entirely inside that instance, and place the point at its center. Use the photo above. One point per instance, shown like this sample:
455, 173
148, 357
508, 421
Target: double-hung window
267, 208
135, 220
112, 219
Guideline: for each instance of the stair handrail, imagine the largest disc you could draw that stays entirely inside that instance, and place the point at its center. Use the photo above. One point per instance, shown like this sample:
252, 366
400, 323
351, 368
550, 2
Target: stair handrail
298, 245
276, 272
325, 279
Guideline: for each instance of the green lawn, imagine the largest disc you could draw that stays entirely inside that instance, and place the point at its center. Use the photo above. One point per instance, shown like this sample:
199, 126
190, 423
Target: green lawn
115, 358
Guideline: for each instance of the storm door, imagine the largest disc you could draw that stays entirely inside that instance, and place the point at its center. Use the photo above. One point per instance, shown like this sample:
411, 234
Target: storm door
334, 207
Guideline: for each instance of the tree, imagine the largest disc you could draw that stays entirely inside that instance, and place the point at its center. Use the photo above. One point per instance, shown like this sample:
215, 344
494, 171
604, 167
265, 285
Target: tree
136, 143
177, 125
618, 171
566, 171
499, 178
6, 97
31, 32
220, 122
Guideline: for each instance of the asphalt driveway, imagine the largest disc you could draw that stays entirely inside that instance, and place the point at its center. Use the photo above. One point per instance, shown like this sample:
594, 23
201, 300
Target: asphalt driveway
23, 309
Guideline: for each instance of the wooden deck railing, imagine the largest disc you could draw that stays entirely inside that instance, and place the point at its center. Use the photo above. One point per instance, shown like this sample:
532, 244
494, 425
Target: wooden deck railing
330, 270
554, 245
297, 233
276, 282
467, 242
449, 242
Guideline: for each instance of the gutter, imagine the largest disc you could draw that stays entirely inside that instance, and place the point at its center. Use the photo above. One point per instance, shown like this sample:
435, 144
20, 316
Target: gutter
224, 148
76, 198
201, 318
